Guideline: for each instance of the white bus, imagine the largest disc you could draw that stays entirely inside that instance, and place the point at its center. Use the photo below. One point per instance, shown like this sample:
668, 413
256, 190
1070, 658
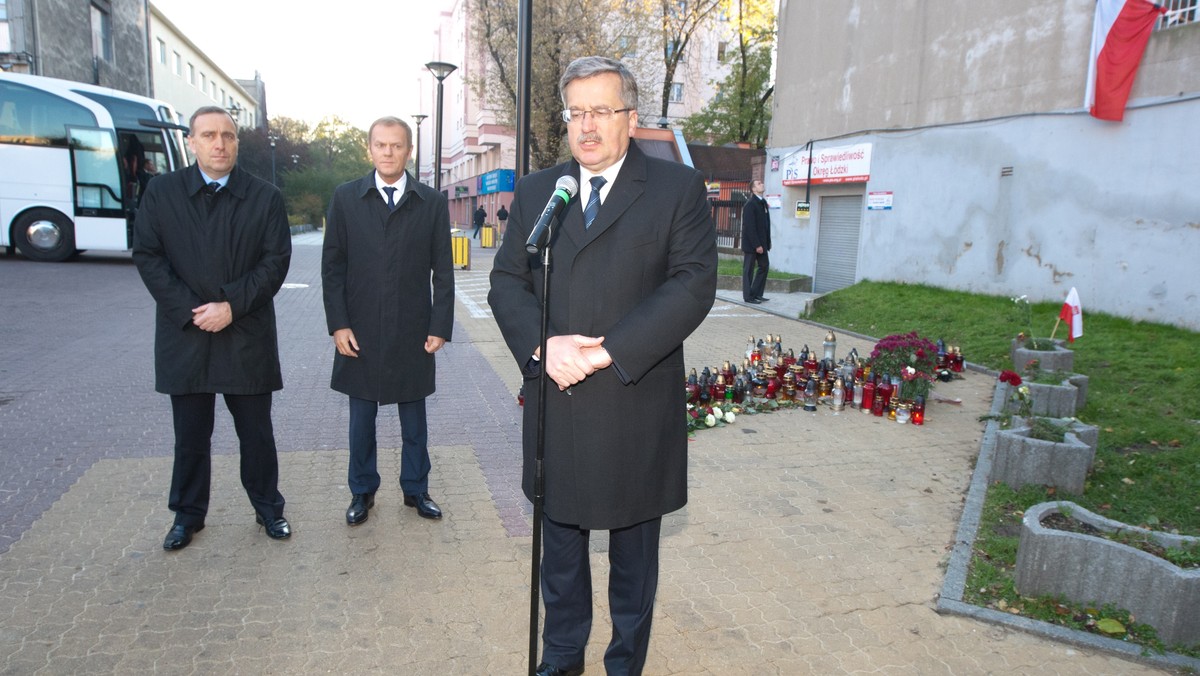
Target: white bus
74, 159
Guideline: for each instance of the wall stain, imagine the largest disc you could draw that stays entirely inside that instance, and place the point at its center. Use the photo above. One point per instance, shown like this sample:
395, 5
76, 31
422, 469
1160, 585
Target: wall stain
1000, 257
1055, 273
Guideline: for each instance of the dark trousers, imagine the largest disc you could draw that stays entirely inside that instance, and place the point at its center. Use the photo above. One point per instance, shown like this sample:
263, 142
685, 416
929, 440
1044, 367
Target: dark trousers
363, 476
191, 477
567, 593
754, 275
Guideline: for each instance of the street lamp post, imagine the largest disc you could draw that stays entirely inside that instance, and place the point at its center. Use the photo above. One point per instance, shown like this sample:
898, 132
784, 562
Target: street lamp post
419, 118
440, 70
273, 138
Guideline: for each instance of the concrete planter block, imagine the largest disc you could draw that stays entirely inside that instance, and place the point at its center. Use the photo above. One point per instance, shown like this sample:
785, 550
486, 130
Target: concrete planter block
1088, 434
1058, 359
1055, 401
1020, 460
794, 285
1088, 569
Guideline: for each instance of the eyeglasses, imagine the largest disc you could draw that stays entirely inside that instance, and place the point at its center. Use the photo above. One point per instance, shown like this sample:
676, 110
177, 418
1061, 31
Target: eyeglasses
601, 114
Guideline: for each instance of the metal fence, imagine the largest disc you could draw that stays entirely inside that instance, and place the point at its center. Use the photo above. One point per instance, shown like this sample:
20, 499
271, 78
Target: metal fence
727, 215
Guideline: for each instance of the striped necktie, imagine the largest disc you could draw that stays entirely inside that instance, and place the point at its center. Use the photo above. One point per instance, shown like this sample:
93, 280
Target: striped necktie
593, 204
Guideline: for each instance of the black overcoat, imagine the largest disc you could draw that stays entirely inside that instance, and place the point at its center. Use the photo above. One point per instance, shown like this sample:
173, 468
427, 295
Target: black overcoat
240, 253
756, 225
644, 277
389, 277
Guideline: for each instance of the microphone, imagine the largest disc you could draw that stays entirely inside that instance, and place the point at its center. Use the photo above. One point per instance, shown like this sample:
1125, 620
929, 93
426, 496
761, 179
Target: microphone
564, 190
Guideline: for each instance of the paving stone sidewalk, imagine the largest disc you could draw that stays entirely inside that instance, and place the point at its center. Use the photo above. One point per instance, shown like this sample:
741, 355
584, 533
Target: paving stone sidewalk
811, 543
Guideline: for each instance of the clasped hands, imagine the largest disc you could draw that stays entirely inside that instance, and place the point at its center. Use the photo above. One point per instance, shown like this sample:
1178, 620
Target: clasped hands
212, 317
572, 358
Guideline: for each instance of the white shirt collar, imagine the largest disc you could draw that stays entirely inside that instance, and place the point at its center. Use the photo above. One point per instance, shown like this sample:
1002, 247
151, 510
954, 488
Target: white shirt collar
400, 185
609, 174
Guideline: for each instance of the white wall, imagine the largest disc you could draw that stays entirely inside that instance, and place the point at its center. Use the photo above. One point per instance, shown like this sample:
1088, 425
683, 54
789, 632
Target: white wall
1112, 209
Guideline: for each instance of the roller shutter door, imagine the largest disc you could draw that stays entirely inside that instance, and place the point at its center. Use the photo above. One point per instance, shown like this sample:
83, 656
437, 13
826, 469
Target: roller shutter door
837, 243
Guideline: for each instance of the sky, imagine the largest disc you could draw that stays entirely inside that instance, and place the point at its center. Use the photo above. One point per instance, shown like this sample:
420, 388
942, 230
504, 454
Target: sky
359, 61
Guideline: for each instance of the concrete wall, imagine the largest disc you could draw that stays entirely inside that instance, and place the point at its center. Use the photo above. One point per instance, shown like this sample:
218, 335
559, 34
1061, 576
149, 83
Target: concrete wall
876, 64
1111, 209
62, 45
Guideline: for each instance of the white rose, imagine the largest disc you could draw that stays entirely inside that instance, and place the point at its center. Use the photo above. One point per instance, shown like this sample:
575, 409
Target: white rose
716, 410
710, 420
730, 417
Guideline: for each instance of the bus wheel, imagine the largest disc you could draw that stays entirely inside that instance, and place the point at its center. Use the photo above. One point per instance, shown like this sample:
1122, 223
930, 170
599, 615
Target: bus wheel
44, 235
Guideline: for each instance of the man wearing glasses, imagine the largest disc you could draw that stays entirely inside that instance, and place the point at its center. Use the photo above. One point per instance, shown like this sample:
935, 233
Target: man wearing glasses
633, 274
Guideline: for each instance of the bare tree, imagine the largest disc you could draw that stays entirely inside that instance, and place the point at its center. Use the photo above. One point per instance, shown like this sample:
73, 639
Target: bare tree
563, 30
680, 20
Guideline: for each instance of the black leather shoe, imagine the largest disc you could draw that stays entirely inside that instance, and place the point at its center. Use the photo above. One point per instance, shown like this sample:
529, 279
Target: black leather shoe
277, 527
425, 505
180, 536
754, 301
360, 505
549, 670
763, 298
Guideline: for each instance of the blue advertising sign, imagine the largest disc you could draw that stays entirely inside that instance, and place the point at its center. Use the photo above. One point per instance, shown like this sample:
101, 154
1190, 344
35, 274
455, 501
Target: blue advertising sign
500, 180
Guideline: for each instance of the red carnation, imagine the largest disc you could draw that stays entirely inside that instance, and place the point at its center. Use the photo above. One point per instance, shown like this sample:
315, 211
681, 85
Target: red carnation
1010, 377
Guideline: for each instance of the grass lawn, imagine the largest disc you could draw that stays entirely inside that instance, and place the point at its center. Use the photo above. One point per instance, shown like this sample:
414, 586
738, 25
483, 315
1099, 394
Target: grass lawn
727, 266
1141, 394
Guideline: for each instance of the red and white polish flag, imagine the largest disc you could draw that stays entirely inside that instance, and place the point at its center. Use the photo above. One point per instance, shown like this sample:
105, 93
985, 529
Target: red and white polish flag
1072, 314
1119, 39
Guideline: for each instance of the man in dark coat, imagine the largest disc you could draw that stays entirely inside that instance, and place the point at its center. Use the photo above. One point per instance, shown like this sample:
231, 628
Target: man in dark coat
756, 242
502, 219
626, 290
386, 237
478, 219
213, 246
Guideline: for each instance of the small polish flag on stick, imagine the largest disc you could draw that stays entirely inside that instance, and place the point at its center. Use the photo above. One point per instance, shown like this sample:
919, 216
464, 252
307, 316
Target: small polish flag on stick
1072, 313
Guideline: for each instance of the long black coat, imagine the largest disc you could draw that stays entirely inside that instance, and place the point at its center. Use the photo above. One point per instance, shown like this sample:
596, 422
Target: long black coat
239, 253
756, 225
376, 270
643, 276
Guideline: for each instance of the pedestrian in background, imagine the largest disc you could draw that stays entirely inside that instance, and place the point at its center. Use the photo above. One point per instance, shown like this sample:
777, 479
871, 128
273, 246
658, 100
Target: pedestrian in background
615, 442
756, 242
388, 282
502, 219
479, 217
212, 245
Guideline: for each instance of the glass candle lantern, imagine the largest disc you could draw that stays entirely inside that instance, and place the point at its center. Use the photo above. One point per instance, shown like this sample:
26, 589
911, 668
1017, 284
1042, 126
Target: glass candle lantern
918, 411
868, 395
839, 395
829, 346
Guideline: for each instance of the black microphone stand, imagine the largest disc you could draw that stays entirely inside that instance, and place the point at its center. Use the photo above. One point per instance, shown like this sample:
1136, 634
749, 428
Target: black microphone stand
539, 470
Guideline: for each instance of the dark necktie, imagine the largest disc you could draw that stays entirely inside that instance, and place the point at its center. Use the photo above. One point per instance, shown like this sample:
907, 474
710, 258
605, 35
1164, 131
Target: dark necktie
391, 193
593, 206
210, 192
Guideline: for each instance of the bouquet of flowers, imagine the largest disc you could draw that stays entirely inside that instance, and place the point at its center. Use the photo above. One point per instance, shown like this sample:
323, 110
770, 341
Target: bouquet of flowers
910, 357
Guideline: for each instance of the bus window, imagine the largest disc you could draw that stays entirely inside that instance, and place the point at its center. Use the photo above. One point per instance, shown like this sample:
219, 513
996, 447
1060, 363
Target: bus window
32, 117
97, 175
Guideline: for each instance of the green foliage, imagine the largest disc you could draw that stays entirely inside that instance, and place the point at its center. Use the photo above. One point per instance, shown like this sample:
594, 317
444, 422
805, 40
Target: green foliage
1140, 394
1140, 390
729, 266
741, 110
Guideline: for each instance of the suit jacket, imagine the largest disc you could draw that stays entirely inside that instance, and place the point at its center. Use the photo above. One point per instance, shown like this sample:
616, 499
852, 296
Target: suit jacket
187, 256
388, 276
643, 277
756, 225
